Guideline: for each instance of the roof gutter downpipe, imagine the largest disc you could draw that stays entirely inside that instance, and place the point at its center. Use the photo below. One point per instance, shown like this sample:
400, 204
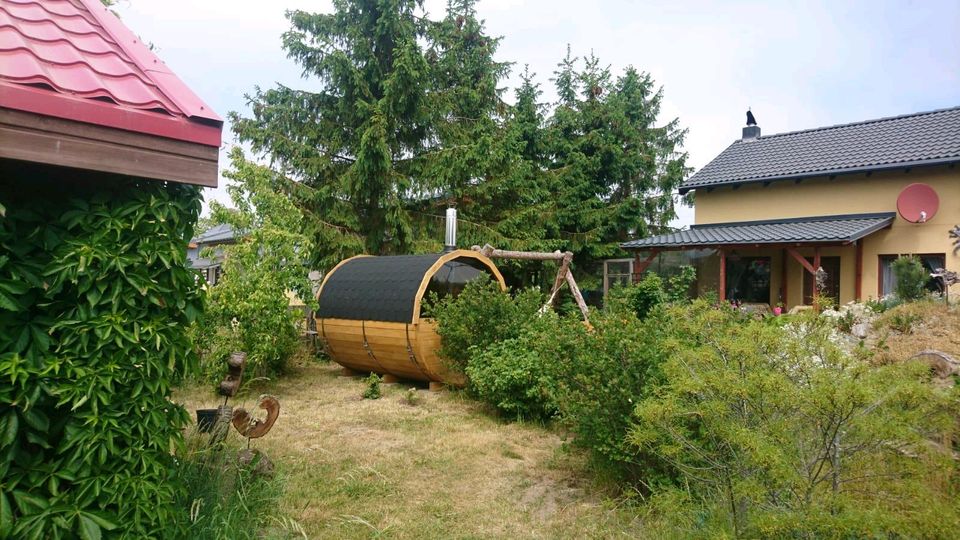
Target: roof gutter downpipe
450, 240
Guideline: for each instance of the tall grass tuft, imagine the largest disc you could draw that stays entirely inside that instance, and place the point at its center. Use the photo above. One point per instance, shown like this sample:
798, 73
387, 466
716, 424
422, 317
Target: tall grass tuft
224, 499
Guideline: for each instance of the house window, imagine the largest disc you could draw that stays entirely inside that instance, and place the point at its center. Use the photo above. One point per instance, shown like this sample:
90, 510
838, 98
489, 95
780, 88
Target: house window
931, 262
748, 279
831, 289
617, 273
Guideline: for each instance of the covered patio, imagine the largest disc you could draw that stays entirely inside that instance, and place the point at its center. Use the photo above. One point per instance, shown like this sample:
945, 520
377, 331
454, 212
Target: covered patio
773, 262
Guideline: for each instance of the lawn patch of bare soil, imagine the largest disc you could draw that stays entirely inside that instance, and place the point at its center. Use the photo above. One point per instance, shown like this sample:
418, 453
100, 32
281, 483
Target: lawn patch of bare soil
442, 468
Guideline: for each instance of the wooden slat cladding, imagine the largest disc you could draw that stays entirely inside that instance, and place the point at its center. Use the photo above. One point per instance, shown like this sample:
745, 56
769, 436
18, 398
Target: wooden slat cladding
41, 139
387, 341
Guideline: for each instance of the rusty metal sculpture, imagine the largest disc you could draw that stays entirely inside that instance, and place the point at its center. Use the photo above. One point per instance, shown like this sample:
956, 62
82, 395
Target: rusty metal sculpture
252, 428
231, 382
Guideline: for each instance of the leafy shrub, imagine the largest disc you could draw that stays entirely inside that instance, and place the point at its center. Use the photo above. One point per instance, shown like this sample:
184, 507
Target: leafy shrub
94, 297
640, 297
911, 278
777, 432
248, 309
373, 390
903, 317
601, 374
480, 316
412, 397
680, 284
652, 291
513, 375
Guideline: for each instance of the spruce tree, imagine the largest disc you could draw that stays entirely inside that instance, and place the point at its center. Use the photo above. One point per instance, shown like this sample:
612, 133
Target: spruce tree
616, 168
350, 149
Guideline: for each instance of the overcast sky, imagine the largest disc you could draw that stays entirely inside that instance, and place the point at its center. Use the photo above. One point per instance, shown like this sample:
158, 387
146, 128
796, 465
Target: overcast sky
799, 65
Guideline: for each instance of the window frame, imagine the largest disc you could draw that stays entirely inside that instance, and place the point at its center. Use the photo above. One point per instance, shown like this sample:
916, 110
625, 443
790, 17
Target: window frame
893, 256
607, 274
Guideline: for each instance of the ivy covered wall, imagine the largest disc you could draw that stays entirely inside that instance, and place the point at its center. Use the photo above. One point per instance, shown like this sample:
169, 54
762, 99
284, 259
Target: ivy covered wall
94, 300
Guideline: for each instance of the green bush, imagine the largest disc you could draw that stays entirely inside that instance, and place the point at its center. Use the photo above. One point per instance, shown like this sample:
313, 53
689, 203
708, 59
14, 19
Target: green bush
513, 375
480, 316
777, 432
680, 284
652, 291
94, 299
248, 309
601, 374
911, 278
373, 389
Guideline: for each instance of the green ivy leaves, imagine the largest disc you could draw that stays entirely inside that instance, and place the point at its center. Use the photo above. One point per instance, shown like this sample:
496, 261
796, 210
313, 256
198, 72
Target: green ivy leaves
94, 299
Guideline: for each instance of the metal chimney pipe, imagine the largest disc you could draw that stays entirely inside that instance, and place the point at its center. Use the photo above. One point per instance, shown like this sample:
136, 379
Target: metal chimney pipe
450, 240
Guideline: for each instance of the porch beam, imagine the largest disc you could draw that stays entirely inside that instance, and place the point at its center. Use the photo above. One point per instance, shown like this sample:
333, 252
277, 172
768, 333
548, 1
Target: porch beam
640, 266
804, 262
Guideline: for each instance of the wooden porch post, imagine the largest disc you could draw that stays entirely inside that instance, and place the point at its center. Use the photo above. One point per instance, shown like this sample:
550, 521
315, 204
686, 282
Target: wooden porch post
640, 266
816, 268
783, 278
858, 288
723, 275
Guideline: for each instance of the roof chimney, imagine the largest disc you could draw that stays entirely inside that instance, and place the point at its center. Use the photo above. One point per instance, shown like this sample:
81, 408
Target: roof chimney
450, 241
752, 131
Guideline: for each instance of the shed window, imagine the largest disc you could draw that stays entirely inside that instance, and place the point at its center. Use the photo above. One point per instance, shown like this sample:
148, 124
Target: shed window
617, 273
453, 276
931, 262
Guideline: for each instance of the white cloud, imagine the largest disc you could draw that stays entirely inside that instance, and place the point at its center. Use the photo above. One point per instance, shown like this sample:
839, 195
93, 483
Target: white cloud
799, 65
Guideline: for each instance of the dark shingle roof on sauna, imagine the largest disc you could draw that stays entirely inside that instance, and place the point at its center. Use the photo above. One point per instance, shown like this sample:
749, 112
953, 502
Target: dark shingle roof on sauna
924, 138
375, 288
817, 229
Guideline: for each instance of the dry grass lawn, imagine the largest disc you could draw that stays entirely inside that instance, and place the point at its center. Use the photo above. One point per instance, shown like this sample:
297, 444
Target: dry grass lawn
439, 468
907, 329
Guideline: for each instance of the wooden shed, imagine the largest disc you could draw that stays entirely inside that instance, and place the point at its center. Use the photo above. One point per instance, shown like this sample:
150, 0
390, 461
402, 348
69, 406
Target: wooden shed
369, 315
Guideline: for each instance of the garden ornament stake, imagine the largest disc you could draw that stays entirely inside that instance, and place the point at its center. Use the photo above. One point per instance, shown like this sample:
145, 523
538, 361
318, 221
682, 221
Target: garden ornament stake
229, 387
252, 428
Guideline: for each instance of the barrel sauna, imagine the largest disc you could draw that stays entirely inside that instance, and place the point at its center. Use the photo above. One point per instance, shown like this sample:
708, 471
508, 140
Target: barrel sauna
369, 311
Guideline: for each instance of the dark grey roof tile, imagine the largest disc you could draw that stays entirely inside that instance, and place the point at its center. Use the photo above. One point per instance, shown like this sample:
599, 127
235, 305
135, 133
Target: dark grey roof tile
913, 139
815, 229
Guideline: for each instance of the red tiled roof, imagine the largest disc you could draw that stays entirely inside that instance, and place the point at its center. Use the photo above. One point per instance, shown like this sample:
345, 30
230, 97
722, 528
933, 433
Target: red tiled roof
74, 59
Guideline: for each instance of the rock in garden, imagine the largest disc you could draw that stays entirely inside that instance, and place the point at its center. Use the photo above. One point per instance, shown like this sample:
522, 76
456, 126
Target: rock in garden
256, 461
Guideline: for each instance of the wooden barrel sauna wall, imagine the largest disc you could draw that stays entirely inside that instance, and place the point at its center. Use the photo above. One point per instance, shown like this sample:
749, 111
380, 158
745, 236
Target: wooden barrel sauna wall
369, 313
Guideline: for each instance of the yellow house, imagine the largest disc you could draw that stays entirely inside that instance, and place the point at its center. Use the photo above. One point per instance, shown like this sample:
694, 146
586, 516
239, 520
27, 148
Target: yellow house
846, 200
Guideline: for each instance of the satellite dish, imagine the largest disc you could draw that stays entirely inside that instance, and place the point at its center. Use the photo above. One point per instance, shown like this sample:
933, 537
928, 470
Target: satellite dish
918, 203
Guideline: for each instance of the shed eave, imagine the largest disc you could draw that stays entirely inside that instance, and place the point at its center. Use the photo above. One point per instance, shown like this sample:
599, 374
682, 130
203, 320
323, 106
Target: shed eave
43, 139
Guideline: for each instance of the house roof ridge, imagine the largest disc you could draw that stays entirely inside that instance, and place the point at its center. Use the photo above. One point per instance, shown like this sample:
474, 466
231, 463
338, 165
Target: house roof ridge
853, 124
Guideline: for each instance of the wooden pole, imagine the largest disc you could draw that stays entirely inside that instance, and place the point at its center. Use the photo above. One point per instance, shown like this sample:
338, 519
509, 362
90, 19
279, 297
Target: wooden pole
858, 287
816, 288
492, 252
561, 277
577, 296
723, 275
784, 276
640, 267
563, 274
